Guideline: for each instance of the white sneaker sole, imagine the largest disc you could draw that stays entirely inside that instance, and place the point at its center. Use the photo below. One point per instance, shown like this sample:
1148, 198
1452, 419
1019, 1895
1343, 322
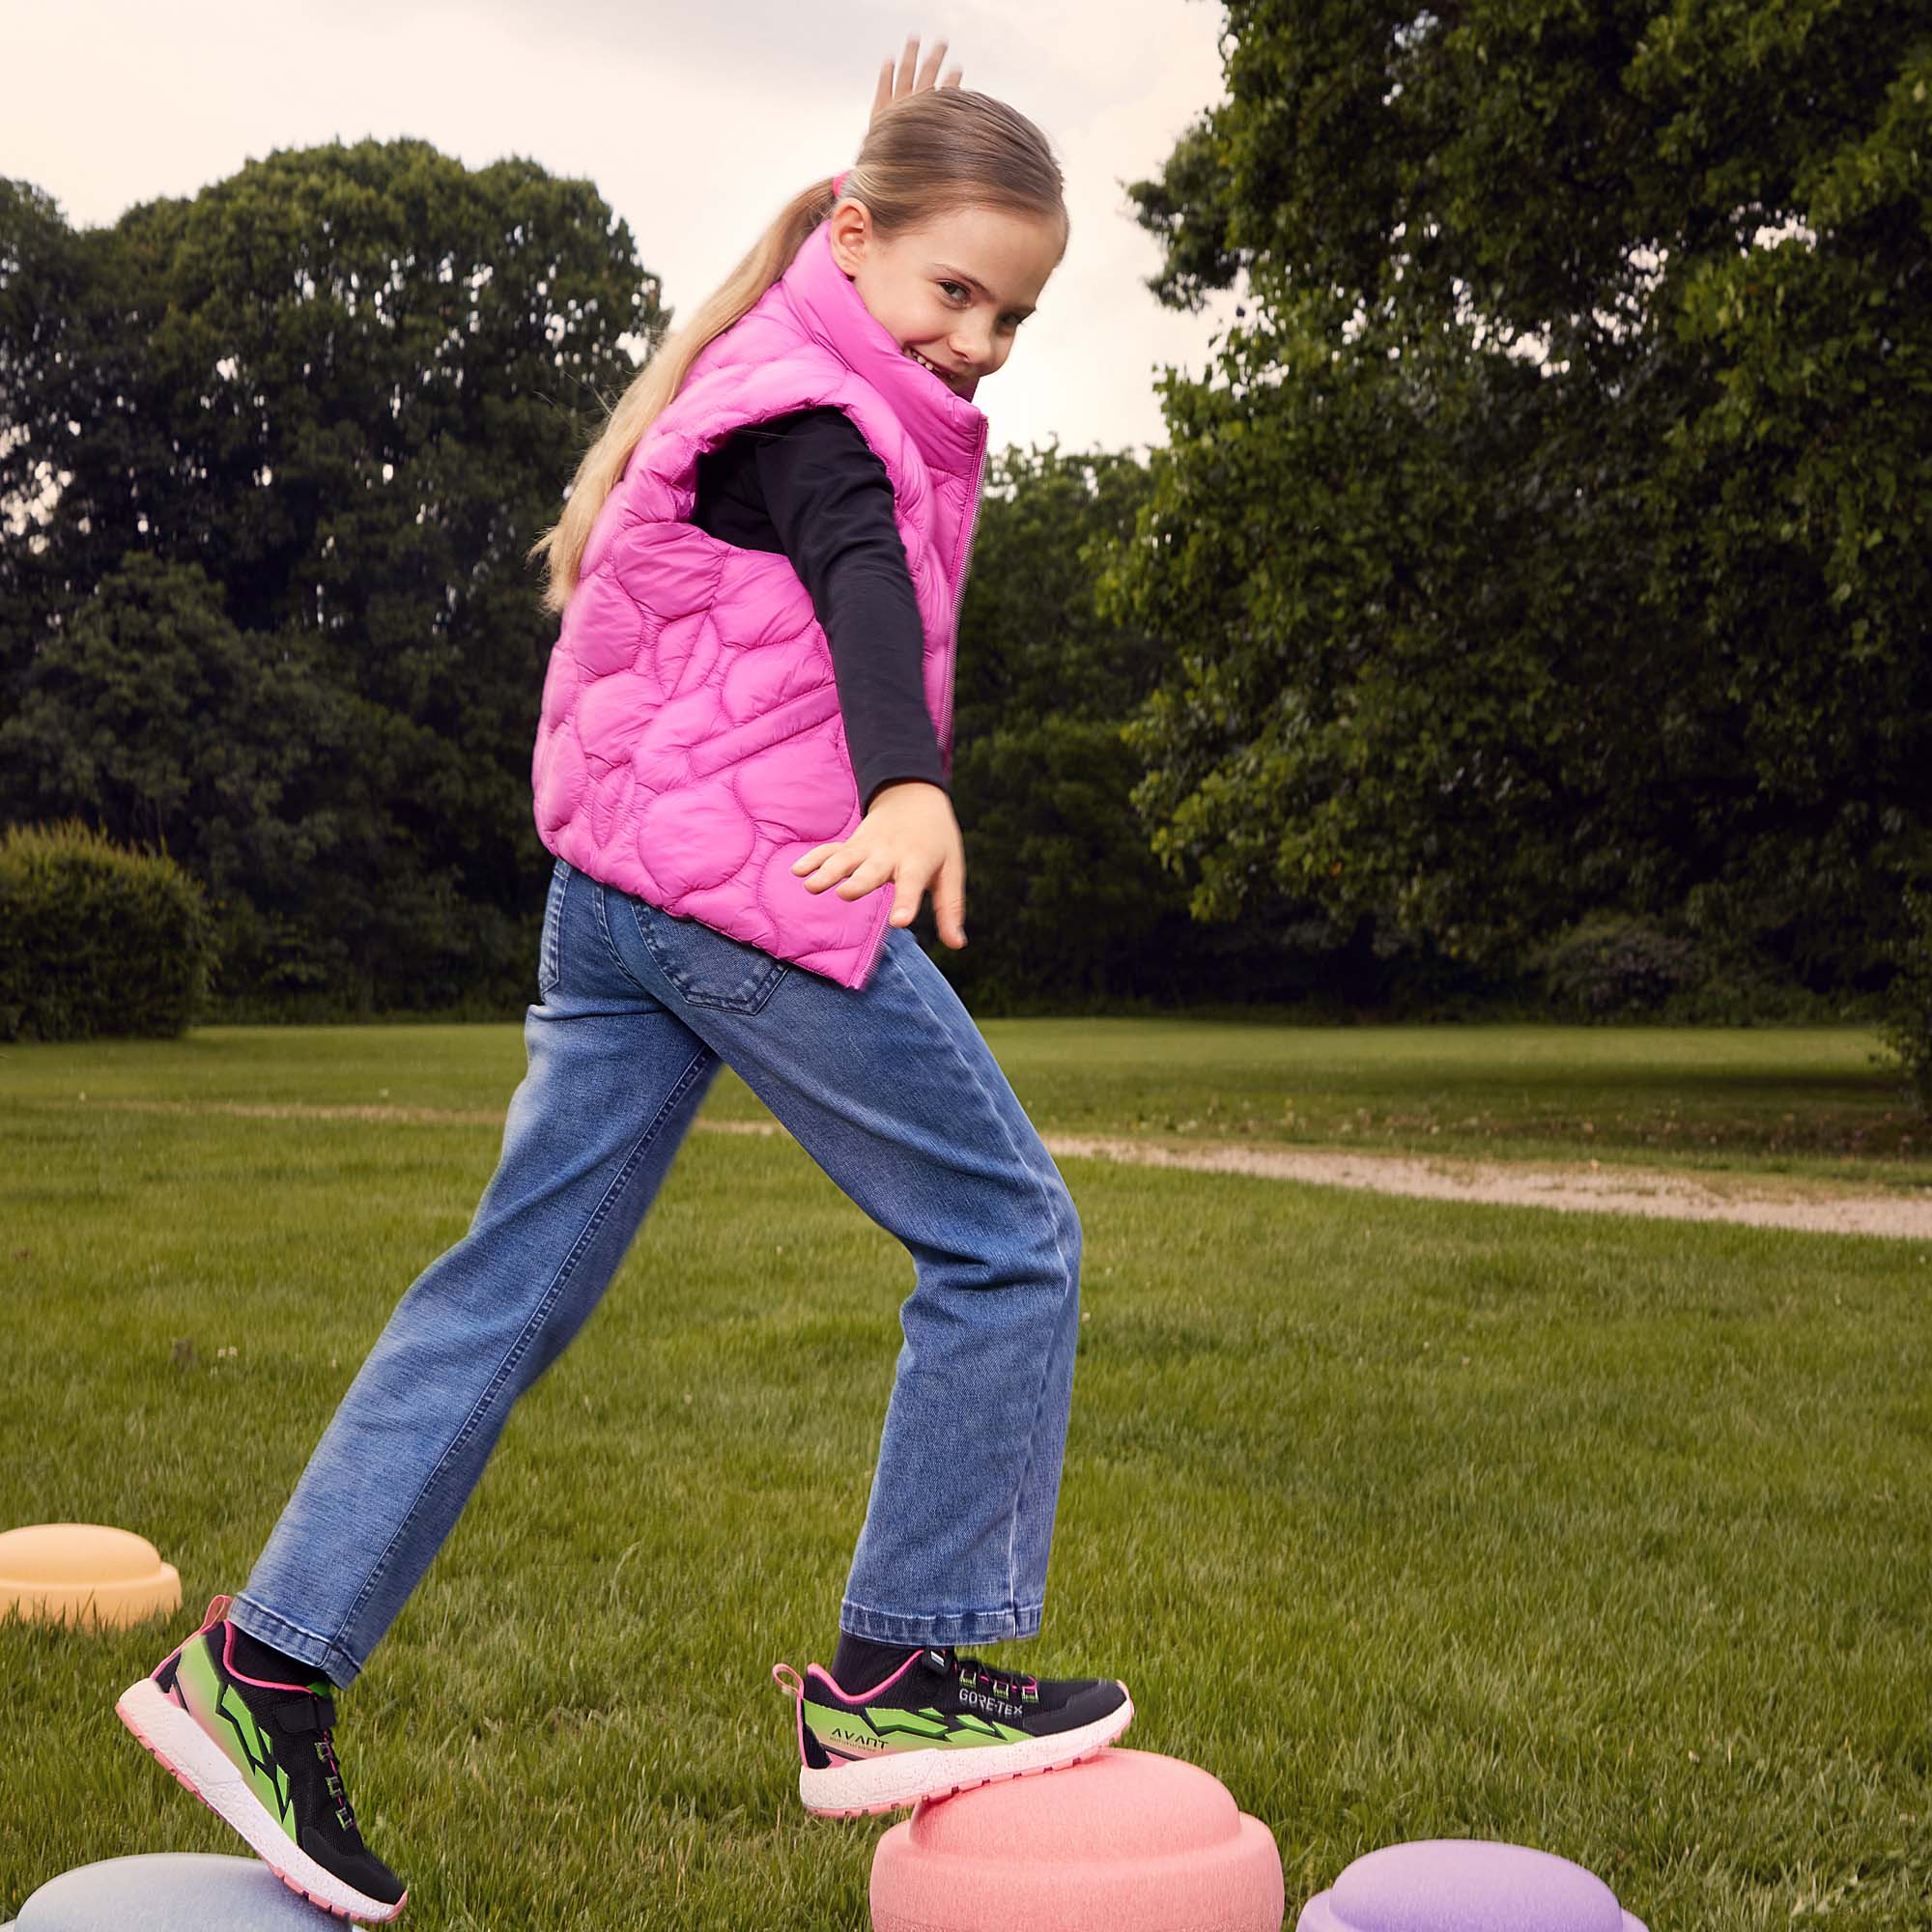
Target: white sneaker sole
201, 1765
898, 1779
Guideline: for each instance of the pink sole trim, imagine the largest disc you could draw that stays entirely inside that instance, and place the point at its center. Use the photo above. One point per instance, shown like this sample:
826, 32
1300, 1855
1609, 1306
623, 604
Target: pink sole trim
967, 1784
189, 1784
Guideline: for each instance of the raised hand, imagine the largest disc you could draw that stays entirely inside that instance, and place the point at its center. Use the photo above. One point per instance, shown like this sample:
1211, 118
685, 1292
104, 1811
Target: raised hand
896, 87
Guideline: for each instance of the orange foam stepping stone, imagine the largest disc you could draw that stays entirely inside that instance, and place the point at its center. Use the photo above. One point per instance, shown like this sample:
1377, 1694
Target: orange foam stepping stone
1125, 1841
86, 1573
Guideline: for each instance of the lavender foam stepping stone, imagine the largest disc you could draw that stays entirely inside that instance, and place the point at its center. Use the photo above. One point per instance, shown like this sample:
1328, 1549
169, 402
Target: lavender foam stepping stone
172, 1891
1463, 1885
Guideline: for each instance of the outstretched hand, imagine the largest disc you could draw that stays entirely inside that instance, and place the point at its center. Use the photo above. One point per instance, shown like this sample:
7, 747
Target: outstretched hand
910, 836
894, 88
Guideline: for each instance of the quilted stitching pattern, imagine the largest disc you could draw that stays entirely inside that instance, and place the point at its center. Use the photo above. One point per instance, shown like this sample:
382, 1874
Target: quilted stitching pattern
690, 745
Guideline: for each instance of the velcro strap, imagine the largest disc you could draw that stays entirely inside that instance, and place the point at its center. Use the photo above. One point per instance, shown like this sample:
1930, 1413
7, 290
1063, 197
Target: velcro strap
306, 1713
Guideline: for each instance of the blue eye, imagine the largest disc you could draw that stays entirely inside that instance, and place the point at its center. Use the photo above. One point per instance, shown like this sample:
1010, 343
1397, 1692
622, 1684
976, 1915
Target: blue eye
967, 293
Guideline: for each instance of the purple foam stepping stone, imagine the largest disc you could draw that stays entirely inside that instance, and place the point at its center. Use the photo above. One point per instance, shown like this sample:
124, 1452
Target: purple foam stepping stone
172, 1891
1465, 1884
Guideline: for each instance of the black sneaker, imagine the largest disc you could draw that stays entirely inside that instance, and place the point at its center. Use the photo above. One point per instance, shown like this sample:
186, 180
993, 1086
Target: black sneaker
263, 1756
940, 1723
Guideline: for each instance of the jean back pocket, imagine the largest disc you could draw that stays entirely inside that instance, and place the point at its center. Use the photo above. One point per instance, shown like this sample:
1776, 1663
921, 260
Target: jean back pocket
707, 967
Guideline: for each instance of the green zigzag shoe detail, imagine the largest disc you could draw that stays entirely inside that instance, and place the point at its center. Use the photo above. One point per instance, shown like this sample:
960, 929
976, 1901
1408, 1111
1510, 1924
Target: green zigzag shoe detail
882, 1722
243, 1740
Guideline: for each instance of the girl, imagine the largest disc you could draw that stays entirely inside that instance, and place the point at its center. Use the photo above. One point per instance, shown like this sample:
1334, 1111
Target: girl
779, 513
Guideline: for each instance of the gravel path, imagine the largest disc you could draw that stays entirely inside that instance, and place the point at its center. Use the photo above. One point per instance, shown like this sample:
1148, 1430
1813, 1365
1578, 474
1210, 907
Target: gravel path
1586, 1188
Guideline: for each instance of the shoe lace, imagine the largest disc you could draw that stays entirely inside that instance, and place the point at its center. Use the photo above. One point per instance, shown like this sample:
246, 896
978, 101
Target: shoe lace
325, 1748
1001, 1683
317, 1713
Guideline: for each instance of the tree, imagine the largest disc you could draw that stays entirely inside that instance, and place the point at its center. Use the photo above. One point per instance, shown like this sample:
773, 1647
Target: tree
1071, 901
345, 388
152, 714
1558, 535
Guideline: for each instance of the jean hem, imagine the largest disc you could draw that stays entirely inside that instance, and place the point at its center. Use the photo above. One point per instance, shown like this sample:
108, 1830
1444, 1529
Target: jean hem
1017, 1620
278, 1633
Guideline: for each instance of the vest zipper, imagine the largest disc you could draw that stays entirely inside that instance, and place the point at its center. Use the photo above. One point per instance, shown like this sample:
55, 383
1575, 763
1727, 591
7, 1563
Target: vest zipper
962, 565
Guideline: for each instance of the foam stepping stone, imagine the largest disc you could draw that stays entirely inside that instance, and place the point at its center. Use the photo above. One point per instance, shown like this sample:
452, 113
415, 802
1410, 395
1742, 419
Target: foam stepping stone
1465, 1884
171, 1892
86, 1573
1125, 1841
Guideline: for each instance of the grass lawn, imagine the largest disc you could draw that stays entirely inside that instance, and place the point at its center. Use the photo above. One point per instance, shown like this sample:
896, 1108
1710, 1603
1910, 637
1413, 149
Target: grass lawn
1406, 1519
1804, 1101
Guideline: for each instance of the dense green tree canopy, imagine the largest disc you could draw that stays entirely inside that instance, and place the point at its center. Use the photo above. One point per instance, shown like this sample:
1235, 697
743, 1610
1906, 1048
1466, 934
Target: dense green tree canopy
280, 449
283, 448
1549, 536
1556, 534
1065, 899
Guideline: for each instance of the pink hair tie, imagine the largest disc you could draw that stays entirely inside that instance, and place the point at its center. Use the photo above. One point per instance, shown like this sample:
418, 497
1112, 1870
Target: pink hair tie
838, 183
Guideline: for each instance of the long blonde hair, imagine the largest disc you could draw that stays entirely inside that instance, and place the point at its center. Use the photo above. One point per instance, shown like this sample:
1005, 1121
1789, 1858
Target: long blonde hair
935, 152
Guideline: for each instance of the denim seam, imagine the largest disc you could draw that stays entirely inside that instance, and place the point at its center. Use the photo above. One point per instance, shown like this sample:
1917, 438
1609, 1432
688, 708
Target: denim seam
597, 906
552, 948
266, 1615
1046, 1358
518, 1347
1009, 1608
966, 1625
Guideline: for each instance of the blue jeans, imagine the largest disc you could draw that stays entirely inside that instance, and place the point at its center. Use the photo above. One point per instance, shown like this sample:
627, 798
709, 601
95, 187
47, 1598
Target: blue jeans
895, 1093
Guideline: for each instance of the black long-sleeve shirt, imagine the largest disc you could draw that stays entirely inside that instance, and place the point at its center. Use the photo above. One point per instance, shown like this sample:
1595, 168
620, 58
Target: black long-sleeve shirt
810, 485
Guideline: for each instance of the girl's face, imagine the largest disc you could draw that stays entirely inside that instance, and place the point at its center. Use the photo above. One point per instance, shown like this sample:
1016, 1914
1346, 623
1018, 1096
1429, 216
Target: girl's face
953, 293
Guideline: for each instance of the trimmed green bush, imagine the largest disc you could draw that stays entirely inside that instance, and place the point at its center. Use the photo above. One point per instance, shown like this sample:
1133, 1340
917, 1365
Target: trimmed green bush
98, 940
1612, 965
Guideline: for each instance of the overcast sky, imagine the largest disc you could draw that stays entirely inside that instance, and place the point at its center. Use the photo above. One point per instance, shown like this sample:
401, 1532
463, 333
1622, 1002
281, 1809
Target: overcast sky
694, 122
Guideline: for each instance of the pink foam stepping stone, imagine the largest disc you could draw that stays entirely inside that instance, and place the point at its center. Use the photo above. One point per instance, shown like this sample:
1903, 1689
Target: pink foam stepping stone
1465, 1884
1127, 1841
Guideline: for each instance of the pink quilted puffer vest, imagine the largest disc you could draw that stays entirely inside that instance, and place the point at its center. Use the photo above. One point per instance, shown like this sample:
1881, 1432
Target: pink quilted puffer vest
690, 746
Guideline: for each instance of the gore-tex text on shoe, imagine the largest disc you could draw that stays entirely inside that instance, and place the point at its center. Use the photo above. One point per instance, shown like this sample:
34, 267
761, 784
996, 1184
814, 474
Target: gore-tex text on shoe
992, 1704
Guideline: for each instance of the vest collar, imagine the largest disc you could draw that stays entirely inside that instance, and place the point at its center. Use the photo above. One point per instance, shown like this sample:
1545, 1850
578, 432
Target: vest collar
946, 427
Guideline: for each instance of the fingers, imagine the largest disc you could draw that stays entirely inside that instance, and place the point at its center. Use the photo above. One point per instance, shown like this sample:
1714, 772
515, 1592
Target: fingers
948, 900
932, 61
911, 78
855, 873
947, 886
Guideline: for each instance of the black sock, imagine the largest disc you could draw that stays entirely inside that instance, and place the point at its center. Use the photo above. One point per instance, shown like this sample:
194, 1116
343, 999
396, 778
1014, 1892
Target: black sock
859, 1662
257, 1658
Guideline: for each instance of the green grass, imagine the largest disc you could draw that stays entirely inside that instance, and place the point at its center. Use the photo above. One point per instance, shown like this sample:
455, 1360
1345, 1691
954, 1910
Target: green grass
1406, 1519
1809, 1102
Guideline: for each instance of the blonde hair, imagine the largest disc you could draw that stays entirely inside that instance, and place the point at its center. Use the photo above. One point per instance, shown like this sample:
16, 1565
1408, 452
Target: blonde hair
928, 155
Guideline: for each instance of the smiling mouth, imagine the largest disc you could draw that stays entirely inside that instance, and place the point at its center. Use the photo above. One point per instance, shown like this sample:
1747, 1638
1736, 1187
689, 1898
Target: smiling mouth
944, 375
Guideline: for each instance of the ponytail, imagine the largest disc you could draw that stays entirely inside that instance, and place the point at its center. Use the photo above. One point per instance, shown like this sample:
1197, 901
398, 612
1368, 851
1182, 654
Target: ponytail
934, 152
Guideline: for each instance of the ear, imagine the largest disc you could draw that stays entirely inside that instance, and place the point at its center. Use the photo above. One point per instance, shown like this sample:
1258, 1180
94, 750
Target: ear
851, 233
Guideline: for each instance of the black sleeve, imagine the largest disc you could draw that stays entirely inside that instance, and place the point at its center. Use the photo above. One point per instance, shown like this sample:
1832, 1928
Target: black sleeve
831, 502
